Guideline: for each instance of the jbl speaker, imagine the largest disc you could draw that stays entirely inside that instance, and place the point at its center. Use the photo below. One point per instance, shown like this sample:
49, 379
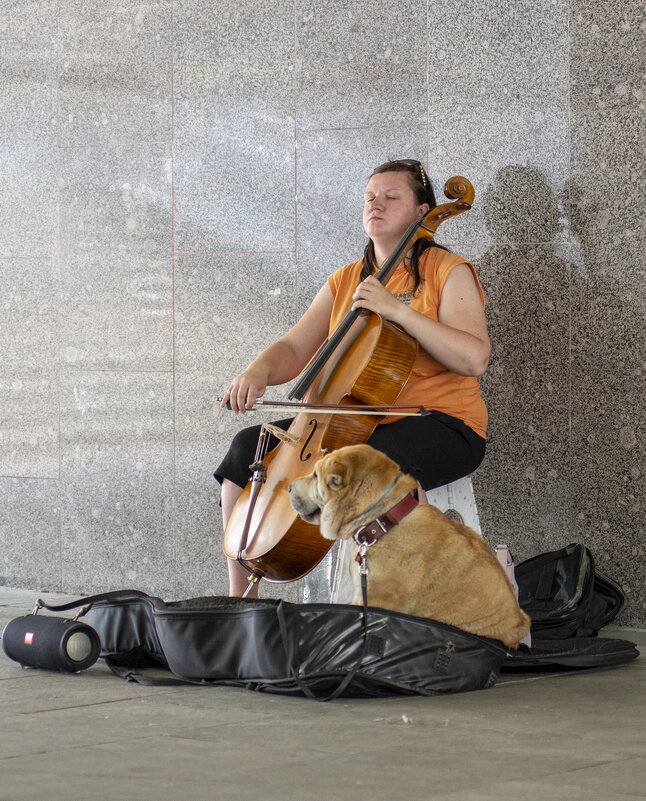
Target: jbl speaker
54, 643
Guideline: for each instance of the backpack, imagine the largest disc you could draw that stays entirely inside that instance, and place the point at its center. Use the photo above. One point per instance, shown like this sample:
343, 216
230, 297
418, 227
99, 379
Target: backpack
565, 595
569, 601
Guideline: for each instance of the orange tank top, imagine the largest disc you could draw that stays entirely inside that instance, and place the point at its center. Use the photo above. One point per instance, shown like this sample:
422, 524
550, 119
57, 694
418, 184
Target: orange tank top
431, 384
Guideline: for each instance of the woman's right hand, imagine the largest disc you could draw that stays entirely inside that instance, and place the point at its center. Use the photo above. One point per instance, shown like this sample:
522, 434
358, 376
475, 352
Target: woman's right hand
245, 389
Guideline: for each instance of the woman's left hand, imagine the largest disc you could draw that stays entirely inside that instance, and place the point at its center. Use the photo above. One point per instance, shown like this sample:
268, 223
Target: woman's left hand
371, 294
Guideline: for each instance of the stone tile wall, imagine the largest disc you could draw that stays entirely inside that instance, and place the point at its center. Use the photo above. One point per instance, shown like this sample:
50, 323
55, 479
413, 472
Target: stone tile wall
178, 178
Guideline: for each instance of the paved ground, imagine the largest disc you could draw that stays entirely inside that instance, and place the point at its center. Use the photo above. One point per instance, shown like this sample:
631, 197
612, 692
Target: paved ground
94, 737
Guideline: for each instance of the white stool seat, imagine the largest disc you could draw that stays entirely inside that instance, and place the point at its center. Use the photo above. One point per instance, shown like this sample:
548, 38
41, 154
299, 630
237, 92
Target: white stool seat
457, 501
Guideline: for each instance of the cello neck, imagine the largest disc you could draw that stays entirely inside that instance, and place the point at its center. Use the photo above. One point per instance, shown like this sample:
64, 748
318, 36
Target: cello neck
321, 357
397, 256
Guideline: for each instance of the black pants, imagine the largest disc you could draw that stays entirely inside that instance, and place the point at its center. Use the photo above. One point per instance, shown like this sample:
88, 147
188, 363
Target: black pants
435, 449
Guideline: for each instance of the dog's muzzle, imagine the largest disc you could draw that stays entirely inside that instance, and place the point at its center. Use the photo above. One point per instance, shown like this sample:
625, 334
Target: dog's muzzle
306, 508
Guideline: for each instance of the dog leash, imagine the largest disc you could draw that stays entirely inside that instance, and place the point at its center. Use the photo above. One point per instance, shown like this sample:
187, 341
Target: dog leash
369, 534
372, 532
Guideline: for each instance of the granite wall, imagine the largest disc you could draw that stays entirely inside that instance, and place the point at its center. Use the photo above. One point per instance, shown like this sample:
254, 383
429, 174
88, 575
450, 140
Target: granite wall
178, 178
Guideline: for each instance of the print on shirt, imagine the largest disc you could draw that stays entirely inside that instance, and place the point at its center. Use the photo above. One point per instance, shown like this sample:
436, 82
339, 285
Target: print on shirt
405, 297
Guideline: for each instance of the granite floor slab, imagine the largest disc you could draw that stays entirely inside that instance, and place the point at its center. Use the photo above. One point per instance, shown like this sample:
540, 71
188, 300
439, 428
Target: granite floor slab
93, 737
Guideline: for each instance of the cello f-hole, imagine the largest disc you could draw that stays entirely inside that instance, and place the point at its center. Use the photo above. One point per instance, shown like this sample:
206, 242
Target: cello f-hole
313, 425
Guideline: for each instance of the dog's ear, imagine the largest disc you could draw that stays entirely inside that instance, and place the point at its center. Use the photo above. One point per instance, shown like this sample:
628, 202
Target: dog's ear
335, 480
331, 474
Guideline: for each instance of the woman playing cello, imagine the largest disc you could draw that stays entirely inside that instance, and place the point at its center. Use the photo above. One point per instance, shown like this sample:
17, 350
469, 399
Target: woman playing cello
436, 297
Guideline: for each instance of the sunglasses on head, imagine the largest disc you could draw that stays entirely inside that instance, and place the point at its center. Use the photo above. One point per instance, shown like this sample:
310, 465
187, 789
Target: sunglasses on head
413, 163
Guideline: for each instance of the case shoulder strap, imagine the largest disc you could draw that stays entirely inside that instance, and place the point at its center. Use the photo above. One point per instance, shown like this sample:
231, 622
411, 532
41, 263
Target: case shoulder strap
89, 600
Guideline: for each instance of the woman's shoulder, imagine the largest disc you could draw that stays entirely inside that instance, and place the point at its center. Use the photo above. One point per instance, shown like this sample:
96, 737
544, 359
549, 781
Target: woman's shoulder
437, 259
347, 274
437, 266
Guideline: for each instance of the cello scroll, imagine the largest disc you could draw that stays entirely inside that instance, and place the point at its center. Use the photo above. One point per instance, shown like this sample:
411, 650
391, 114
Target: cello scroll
463, 194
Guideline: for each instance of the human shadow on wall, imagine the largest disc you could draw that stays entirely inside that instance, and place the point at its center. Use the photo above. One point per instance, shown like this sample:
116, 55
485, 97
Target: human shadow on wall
562, 386
526, 279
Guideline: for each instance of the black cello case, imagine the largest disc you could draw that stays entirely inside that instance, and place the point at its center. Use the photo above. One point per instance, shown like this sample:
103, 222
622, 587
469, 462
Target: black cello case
320, 651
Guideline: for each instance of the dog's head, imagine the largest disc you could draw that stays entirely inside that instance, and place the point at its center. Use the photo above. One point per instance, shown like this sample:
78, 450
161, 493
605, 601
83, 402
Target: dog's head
343, 485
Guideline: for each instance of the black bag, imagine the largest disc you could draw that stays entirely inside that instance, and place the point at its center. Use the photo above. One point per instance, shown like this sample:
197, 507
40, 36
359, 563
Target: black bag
317, 650
565, 596
568, 602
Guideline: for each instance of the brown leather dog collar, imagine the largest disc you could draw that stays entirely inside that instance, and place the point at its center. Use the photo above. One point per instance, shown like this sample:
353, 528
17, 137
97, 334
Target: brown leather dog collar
370, 533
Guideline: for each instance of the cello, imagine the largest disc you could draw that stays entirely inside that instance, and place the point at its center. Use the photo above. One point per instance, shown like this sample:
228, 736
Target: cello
344, 393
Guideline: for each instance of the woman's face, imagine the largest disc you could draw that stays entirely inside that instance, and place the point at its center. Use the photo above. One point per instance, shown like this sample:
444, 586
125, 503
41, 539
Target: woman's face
390, 206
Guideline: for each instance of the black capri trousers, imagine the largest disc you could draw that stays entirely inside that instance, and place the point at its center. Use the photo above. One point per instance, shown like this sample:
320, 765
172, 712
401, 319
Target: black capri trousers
435, 449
